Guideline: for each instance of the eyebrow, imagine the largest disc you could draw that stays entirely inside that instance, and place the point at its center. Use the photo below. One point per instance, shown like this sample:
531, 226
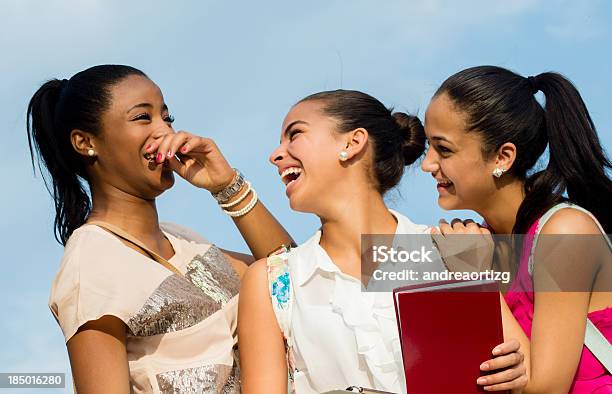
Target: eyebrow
147, 105
288, 128
440, 138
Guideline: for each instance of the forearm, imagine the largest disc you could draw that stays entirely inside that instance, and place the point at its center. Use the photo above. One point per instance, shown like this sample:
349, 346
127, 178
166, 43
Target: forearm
259, 228
261, 231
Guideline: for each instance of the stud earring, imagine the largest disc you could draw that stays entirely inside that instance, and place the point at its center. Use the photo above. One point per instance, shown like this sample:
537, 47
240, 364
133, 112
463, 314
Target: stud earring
498, 172
343, 155
91, 153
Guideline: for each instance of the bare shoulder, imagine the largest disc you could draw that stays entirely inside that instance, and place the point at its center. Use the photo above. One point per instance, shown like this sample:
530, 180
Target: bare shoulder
255, 303
570, 221
255, 277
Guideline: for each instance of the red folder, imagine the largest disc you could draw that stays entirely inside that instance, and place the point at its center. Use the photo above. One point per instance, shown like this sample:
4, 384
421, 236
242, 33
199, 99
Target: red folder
447, 329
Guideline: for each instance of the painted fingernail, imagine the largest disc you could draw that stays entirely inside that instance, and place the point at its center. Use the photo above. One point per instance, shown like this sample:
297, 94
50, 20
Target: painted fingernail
481, 381
484, 366
148, 147
184, 149
159, 157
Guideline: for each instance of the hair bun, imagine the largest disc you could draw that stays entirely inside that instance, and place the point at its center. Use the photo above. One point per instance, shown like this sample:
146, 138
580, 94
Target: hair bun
413, 136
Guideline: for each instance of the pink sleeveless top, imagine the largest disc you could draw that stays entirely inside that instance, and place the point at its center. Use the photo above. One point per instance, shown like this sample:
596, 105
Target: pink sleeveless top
591, 376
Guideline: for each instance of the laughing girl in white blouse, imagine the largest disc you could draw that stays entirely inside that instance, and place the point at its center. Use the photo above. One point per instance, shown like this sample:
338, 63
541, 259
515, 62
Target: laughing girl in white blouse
340, 152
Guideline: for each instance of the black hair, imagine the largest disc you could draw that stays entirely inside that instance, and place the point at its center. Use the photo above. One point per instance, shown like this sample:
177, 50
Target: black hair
57, 108
501, 106
398, 139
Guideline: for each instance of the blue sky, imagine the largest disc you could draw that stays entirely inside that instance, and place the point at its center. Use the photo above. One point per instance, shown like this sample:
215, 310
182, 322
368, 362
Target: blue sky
231, 71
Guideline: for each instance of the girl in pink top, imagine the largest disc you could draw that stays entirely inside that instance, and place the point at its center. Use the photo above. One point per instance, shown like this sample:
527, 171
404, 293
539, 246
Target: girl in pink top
591, 376
486, 132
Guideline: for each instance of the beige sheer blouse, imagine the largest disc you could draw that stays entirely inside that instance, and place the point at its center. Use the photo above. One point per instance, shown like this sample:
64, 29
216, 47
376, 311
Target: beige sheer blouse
181, 329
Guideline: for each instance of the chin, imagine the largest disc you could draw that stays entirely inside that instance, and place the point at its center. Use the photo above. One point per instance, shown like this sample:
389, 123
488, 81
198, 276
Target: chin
449, 204
300, 203
165, 182
168, 182
296, 205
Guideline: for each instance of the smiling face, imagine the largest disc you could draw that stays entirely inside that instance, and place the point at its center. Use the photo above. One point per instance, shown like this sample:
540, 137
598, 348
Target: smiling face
307, 157
136, 117
455, 159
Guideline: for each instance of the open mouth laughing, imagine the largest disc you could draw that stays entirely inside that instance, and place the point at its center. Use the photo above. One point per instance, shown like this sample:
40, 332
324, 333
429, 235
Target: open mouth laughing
444, 184
290, 175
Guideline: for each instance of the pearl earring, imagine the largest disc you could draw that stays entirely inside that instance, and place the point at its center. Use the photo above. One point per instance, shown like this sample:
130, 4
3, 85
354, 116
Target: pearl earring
498, 172
343, 155
91, 153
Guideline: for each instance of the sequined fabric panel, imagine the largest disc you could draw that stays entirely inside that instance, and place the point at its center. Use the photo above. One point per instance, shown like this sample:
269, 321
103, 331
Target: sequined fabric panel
181, 302
213, 274
208, 379
176, 304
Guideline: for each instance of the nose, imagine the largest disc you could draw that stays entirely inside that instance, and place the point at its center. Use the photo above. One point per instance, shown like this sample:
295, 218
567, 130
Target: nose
277, 155
430, 163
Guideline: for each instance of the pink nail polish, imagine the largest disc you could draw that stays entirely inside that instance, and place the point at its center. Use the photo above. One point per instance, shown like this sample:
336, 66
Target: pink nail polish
148, 147
184, 149
159, 157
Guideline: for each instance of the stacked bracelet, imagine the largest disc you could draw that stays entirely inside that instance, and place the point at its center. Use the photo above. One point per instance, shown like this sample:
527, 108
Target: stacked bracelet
239, 200
231, 190
246, 209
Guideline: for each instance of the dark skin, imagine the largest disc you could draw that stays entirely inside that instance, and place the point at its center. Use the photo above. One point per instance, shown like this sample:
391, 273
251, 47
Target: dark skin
125, 182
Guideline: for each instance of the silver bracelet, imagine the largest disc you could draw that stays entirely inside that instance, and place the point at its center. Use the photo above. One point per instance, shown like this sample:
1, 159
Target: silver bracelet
239, 199
246, 209
230, 191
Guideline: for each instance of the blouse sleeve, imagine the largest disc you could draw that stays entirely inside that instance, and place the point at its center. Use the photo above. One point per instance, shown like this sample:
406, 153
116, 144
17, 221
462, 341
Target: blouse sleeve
96, 278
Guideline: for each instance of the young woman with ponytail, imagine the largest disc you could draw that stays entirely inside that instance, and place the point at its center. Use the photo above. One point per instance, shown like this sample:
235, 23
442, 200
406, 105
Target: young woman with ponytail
303, 312
144, 306
486, 132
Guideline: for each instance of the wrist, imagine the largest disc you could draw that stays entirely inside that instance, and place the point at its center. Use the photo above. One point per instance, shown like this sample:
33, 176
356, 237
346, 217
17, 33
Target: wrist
222, 185
237, 200
224, 194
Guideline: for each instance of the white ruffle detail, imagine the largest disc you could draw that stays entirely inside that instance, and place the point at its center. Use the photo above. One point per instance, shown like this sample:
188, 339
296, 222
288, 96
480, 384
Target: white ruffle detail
373, 322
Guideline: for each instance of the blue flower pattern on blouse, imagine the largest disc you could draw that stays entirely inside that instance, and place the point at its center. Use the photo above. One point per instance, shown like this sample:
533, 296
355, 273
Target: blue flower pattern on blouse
281, 289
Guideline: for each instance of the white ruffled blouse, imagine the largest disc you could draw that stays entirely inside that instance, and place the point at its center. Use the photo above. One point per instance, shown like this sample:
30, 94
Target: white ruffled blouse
340, 335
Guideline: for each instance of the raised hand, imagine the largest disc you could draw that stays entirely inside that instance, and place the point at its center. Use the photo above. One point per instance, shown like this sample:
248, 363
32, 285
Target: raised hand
196, 159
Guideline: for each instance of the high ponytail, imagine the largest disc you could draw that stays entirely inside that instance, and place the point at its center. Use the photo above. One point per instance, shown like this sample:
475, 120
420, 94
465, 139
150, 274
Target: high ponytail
577, 162
57, 108
501, 106
72, 204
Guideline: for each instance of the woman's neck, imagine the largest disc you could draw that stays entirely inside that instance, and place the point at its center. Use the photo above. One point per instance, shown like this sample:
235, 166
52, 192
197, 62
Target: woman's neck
500, 213
341, 230
133, 214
